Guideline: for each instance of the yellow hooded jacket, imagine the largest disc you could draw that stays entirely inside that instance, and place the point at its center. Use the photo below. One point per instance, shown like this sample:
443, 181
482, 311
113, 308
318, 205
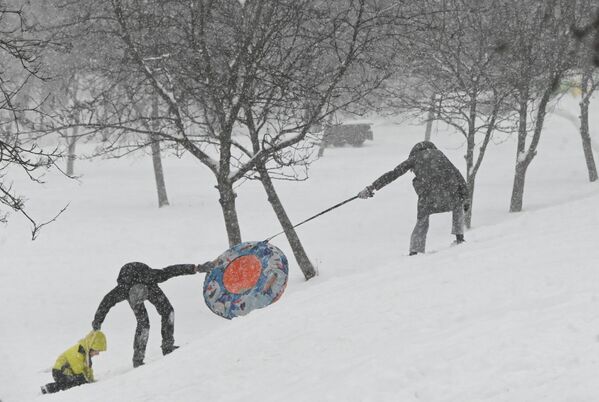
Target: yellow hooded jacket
76, 360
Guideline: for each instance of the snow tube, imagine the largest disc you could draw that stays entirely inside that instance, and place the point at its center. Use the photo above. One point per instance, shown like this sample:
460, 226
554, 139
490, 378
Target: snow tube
246, 277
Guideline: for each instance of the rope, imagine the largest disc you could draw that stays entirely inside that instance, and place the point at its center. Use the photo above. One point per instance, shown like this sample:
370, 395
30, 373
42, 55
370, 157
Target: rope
315, 216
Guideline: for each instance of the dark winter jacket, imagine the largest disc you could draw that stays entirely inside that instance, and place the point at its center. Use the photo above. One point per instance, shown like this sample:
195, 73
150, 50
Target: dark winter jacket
136, 273
439, 184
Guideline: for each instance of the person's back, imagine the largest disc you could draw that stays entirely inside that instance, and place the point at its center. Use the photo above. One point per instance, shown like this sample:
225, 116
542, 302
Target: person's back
438, 183
74, 366
134, 272
137, 273
440, 187
433, 164
136, 283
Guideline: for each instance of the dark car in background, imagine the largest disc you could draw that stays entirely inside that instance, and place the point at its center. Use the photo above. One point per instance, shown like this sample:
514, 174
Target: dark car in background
347, 133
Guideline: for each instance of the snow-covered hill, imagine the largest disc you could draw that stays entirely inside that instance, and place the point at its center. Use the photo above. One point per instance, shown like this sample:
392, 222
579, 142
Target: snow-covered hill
512, 315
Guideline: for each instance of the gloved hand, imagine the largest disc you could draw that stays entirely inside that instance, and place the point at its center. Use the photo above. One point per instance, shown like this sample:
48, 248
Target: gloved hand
95, 326
205, 267
466, 206
366, 193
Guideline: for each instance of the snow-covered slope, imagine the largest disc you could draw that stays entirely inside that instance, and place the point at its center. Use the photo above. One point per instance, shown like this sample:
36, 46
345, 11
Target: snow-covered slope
512, 315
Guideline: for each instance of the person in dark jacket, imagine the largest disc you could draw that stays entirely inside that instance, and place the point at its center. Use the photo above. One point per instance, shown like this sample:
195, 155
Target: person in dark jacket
440, 187
138, 282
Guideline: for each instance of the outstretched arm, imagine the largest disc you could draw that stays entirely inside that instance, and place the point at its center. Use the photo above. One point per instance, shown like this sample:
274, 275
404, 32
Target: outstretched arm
391, 175
116, 295
161, 275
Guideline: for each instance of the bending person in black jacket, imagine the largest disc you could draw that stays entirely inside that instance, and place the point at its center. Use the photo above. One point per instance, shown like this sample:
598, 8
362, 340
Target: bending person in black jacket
440, 187
138, 282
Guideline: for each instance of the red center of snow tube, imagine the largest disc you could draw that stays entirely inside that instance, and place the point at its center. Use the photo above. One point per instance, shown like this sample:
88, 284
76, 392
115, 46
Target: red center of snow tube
242, 274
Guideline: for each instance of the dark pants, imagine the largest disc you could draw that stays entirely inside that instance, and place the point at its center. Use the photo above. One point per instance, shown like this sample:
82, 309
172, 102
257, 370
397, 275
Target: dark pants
418, 239
165, 309
63, 382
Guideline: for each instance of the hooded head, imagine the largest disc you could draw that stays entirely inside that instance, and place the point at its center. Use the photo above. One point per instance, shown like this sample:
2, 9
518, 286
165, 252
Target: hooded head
421, 146
95, 340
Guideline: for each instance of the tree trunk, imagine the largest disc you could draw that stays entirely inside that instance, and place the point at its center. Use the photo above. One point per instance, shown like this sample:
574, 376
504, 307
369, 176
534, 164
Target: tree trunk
227, 203
429, 120
296, 246
520, 171
523, 159
518, 188
468, 217
470, 144
584, 127
159, 174
157, 161
71, 154
72, 139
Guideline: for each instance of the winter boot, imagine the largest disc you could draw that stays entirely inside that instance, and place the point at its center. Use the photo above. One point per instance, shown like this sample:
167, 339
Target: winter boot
137, 363
459, 239
413, 253
170, 349
50, 388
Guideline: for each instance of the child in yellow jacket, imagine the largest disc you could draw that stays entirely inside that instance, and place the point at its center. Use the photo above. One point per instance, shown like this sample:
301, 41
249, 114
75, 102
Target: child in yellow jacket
74, 366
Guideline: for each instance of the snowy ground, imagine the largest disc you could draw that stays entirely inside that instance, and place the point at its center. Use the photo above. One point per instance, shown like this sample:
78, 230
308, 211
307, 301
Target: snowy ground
513, 315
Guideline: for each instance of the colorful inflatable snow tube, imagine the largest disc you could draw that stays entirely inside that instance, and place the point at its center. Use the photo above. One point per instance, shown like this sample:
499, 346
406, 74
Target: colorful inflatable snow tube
246, 277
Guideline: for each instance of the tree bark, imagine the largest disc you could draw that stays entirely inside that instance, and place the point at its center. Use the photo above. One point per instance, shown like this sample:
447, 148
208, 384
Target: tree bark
296, 246
470, 155
157, 160
520, 172
72, 139
518, 188
227, 203
470, 144
523, 159
159, 174
429, 120
71, 153
468, 218
479, 160
584, 126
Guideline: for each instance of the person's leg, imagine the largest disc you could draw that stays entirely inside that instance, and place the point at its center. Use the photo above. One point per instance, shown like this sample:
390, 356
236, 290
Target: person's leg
50, 388
457, 226
68, 381
167, 313
142, 331
418, 239
62, 382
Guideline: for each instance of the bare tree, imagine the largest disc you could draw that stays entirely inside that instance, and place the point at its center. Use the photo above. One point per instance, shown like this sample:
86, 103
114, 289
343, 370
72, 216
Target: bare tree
587, 16
157, 160
18, 152
456, 65
288, 105
538, 50
63, 95
153, 126
588, 86
217, 65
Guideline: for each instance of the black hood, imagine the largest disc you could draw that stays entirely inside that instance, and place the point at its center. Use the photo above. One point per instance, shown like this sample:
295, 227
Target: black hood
421, 146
